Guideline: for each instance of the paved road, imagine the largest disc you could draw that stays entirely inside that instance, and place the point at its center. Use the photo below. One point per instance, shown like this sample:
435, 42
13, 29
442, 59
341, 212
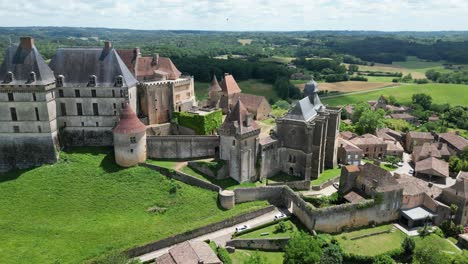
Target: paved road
406, 165
220, 236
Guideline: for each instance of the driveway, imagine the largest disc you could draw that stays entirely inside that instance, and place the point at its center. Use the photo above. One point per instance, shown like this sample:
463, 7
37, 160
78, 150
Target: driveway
406, 165
220, 237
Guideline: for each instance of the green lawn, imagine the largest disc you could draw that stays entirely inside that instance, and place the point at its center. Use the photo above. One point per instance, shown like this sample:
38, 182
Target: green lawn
85, 206
414, 64
442, 243
284, 177
242, 255
293, 223
379, 78
454, 94
252, 86
163, 163
228, 183
372, 245
326, 175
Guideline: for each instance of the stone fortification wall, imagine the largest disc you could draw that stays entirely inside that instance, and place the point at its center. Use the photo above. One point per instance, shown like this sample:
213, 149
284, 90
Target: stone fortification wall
182, 147
153, 246
325, 184
159, 129
259, 243
24, 151
86, 136
296, 185
222, 172
271, 194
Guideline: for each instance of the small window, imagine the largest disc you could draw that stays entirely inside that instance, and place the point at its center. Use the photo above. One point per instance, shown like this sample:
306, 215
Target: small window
93, 93
79, 109
82, 124
63, 109
97, 124
64, 124
113, 93
9, 77
131, 150
59, 81
115, 105
133, 140
32, 77
16, 129
123, 105
14, 116
92, 81
39, 129
37, 113
61, 93
95, 109
11, 98
119, 81
77, 93
34, 96
233, 142
121, 93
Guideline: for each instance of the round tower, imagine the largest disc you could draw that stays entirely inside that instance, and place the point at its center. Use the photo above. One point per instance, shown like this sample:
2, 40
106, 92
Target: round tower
129, 139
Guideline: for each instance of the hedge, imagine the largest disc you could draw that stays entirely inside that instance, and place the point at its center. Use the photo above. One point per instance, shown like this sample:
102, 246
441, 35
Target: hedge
201, 124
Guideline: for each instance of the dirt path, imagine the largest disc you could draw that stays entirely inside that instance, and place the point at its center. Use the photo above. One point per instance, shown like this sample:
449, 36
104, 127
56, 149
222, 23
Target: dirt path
180, 165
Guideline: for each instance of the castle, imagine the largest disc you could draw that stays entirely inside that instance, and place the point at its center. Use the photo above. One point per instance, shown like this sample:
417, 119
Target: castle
109, 97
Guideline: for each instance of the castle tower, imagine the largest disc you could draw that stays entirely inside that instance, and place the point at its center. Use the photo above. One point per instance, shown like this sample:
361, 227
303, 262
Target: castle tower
28, 127
238, 143
229, 88
129, 139
214, 92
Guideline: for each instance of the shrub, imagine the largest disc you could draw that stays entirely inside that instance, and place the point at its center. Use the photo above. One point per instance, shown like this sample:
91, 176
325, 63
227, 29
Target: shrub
224, 255
173, 186
302, 248
383, 259
201, 124
282, 227
408, 245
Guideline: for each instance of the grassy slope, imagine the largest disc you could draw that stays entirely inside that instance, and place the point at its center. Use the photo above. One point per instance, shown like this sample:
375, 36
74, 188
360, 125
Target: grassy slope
442, 244
293, 222
228, 183
372, 245
252, 86
326, 175
242, 255
455, 94
85, 206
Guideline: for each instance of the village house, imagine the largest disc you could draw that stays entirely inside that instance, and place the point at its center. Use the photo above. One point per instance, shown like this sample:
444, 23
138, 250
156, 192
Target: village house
455, 143
347, 135
404, 116
458, 194
348, 153
189, 252
394, 148
426, 150
372, 146
414, 138
432, 169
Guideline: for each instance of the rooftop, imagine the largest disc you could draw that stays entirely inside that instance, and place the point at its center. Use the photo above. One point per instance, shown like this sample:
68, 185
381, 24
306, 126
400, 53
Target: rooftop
432, 166
420, 135
129, 122
367, 139
229, 84
417, 213
378, 178
455, 140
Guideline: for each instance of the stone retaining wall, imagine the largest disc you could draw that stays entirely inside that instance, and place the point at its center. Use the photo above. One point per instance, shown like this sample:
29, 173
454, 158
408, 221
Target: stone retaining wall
276, 244
182, 147
325, 184
167, 242
296, 185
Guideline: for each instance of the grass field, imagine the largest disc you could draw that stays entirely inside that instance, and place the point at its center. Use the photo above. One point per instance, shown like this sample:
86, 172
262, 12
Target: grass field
85, 206
271, 230
371, 245
245, 41
442, 244
278, 59
380, 79
351, 86
241, 256
454, 94
326, 175
251, 86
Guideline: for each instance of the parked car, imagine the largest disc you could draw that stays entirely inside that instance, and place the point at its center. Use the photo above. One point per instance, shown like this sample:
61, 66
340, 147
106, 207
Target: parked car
400, 164
336, 185
411, 171
242, 228
279, 216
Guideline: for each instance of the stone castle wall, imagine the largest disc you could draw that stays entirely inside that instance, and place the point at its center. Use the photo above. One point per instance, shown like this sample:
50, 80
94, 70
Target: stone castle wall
182, 147
259, 243
86, 136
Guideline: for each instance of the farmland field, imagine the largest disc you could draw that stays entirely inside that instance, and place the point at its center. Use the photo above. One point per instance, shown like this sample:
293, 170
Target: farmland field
245, 41
454, 94
85, 206
352, 86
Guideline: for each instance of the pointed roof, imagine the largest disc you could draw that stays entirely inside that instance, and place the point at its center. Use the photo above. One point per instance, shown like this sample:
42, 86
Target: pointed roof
426, 150
433, 166
129, 122
229, 85
214, 87
24, 59
237, 121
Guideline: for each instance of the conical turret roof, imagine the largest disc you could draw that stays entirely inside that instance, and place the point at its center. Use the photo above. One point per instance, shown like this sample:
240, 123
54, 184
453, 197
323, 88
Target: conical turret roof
214, 87
129, 122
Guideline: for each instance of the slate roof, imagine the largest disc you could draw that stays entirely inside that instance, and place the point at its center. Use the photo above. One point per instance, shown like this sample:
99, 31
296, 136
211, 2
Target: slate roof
235, 122
77, 64
229, 85
129, 122
427, 150
21, 61
432, 166
367, 139
375, 177
420, 135
455, 140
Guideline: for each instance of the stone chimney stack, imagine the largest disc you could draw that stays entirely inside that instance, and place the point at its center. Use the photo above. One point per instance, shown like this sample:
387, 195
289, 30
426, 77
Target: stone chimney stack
107, 44
248, 120
26, 42
155, 59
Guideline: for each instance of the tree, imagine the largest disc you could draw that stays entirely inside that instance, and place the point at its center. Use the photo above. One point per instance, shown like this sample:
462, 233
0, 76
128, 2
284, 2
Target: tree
302, 248
453, 210
358, 110
408, 245
424, 100
393, 160
392, 100
370, 121
353, 68
430, 254
256, 258
332, 254
383, 259
282, 227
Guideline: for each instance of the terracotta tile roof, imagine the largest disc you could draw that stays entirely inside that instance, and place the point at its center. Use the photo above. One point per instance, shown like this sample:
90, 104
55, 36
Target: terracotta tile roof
189, 252
372, 102
347, 135
129, 122
148, 66
393, 145
129, 57
353, 197
267, 140
250, 101
165, 259
414, 186
420, 135
387, 133
402, 116
462, 175
349, 109
427, 150
367, 139
375, 177
352, 168
432, 166
229, 85
214, 87
236, 121
455, 140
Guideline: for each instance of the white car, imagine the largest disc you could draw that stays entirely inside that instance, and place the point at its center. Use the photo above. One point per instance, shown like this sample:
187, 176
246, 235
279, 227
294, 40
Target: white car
336, 185
400, 164
411, 171
279, 216
242, 228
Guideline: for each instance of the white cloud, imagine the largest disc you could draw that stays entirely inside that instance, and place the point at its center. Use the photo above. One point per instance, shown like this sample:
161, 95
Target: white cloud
240, 14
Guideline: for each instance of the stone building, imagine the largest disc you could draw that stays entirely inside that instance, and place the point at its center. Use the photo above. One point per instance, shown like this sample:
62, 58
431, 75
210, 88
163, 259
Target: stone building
92, 87
458, 194
455, 142
162, 89
348, 153
405, 116
189, 252
426, 150
28, 127
432, 169
307, 136
415, 138
372, 146
258, 106
239, 143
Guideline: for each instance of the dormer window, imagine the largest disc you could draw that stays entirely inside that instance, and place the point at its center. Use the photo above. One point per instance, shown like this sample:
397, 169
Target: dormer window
119, 81
92, 81
59, 81
32, 77
9, 77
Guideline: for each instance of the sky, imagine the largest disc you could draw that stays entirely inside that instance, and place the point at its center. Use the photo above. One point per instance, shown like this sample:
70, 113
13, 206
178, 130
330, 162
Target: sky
240, 15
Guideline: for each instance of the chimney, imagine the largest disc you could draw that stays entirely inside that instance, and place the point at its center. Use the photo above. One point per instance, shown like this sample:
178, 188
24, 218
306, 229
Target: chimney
226, 74
107, 44
248, 120
136, 52
26, 42
440, 145
155, 59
